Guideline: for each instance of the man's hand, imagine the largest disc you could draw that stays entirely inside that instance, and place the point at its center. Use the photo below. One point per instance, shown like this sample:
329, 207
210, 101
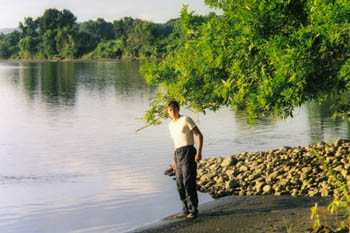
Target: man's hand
173, 165
198, 157
197, 132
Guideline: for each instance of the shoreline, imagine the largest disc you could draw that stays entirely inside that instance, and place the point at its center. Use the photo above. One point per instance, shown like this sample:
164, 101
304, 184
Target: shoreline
297, 171
266, 191
251, 214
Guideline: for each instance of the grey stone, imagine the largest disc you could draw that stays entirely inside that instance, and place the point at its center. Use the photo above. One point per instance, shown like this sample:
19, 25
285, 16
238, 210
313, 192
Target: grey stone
243, 168
339, 142
312, 193
232, 184
229, 161
306, 170
285, 148
267, 189
258, 186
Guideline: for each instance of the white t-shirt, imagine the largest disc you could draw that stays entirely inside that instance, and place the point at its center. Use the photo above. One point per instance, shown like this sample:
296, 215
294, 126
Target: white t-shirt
181, 131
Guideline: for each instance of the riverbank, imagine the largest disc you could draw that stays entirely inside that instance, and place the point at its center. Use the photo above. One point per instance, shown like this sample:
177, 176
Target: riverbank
297, 171
249, 214
267, 191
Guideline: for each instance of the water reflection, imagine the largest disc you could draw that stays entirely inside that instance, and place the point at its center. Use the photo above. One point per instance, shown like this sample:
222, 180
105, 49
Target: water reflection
322, 127
57, 83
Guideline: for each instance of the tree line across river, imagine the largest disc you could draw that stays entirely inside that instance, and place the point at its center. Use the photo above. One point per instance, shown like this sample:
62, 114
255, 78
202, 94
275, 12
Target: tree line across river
57, 35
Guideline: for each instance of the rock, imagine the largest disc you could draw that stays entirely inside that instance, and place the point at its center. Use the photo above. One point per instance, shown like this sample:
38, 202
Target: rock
330, 159
232, 184
285, 148
243, 168
320, 144
230, 172
267, 189
312, 193
208, 176
306, 170
344, 173
253, 176
169, 172
324, 192
275, 174
268, 180
339, 142
219, 180
276, 188
294, 171
294, 192
202, 182
229, 161
258, 186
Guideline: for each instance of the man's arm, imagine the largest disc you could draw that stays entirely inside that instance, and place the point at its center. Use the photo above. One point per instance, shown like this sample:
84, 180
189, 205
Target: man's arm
199, 135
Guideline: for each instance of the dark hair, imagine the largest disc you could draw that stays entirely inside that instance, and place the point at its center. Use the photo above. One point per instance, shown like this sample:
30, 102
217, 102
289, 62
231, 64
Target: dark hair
173, 104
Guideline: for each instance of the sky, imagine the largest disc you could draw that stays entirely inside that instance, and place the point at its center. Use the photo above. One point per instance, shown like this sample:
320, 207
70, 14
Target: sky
158, 11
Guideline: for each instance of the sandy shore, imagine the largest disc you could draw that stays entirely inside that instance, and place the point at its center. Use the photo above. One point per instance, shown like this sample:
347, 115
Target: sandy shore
248, 214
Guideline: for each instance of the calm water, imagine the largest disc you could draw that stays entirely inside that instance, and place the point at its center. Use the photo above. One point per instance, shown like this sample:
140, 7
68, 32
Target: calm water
71, 160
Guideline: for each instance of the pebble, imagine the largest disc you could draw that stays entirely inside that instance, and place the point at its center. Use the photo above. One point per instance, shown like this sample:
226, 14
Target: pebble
284, 171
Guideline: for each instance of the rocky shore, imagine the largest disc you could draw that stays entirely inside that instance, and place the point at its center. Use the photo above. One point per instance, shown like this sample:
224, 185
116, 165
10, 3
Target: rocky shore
293, 171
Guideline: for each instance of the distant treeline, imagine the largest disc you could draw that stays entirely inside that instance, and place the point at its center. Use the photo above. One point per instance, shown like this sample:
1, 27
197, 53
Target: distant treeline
57, 35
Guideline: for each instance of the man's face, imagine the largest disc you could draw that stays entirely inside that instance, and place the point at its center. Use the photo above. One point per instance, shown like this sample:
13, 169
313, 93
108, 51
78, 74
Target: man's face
172, 112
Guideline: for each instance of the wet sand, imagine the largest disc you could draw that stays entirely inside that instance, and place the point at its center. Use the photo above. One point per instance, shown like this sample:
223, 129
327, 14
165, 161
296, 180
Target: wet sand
251, 214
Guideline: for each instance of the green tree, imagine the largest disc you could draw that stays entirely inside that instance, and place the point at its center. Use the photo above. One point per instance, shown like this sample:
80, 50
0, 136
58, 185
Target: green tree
66, 45
29, 27
121, 28
99, 29
28, 47
4, 50
263, 57
49, 44
54, 19
140, 39
109, 49
11, 44
86, 43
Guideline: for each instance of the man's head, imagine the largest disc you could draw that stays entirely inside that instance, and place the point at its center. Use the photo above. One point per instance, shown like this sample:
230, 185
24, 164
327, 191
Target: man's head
173, 109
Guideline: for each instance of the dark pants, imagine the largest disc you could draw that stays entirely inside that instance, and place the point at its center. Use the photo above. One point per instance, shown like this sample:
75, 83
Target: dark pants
186, 174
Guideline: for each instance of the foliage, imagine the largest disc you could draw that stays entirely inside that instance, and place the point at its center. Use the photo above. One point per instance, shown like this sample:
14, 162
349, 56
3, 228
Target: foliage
263, 57
341, 199
86, 43
54, 19
4, 50
66, 45
56, 35
109, 49
9, 45
28, 47
29, 27
98, 29
49, 44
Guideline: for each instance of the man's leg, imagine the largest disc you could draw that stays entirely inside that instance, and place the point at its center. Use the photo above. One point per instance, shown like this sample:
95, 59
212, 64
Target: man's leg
190, 181
180, 181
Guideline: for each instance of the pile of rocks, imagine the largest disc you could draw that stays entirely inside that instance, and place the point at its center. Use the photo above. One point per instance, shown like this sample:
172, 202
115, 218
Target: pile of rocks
294, 171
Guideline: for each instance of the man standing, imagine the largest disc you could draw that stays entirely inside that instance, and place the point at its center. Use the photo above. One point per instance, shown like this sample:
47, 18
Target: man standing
182, 130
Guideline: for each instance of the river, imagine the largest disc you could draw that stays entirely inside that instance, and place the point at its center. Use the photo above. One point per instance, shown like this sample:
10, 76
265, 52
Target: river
71, 160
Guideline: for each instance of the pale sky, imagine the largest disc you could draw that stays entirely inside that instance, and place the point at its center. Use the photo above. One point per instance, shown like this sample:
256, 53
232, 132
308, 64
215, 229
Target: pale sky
158, 11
